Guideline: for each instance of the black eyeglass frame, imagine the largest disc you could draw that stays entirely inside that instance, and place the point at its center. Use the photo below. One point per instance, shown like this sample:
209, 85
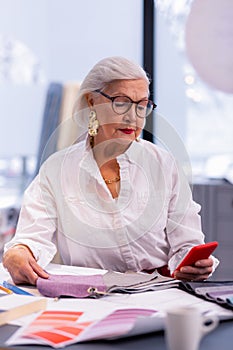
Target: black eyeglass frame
112, 98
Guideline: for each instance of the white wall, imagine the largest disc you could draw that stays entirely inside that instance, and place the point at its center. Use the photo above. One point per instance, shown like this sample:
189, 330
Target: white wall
68, 37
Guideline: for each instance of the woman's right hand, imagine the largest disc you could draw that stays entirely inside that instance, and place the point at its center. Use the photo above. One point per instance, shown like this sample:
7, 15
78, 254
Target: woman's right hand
22, 266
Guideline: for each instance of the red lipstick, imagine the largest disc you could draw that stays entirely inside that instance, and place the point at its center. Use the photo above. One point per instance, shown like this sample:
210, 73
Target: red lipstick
127, 131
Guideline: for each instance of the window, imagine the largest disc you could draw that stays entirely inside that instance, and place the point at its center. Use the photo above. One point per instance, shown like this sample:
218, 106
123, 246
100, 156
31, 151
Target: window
200, 108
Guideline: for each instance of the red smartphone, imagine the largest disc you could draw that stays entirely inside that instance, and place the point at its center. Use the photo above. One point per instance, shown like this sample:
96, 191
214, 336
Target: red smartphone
199, 252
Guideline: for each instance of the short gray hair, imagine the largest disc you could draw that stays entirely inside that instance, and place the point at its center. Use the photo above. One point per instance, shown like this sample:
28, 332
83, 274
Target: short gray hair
104, 72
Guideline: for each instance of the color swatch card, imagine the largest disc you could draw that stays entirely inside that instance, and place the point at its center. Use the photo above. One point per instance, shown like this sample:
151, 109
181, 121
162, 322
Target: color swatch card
60, 328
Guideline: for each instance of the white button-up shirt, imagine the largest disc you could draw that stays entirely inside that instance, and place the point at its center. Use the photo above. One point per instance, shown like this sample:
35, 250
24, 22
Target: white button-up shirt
68, 206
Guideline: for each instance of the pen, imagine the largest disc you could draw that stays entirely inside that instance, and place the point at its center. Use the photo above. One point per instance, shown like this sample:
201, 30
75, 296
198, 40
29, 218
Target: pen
15, 289
6, 290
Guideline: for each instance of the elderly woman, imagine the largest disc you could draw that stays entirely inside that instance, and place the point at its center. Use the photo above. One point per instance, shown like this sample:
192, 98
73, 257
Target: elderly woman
111, 201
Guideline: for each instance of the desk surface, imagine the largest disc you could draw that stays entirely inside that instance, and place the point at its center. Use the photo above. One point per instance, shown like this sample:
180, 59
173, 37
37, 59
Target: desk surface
220, 338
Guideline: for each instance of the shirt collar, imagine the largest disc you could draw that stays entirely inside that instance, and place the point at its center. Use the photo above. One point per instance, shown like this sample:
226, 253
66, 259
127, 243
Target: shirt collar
132, 155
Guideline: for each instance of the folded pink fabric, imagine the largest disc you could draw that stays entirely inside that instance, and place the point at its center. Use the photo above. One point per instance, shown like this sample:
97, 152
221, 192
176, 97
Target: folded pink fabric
70, 285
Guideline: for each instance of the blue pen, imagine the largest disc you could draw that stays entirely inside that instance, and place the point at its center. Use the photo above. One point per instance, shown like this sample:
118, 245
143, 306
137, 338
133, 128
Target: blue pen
15, 289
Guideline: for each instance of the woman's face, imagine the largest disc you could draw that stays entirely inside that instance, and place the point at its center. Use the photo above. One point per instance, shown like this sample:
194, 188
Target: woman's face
124, 127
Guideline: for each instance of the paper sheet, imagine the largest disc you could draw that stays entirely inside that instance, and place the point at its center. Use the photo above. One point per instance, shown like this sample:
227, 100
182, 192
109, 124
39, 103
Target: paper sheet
166, 299
72, 270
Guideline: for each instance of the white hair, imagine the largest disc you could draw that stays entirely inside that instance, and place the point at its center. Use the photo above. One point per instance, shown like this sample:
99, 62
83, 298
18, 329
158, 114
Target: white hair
104, 72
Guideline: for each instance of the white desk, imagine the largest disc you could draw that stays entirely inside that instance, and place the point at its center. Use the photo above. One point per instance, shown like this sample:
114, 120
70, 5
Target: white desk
158, 300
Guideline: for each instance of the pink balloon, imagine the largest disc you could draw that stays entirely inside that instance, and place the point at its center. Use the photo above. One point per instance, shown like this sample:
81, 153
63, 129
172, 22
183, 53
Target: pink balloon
209, 42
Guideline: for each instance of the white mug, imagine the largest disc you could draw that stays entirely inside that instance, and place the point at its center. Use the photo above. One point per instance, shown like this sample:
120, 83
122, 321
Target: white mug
185, 326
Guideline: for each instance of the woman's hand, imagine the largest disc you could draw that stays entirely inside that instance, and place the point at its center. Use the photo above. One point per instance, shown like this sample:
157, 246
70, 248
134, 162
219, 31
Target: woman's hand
199, 272
22, 266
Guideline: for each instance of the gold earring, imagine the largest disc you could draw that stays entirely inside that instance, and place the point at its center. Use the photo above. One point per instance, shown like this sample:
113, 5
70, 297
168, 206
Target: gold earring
93, 124
92, 141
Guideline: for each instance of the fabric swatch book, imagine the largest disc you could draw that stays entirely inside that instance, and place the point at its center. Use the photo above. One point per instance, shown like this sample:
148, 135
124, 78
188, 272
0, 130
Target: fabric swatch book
99, 285
218, 292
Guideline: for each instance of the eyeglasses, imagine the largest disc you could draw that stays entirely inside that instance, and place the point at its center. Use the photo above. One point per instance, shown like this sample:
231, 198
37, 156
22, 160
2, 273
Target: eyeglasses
122, 104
